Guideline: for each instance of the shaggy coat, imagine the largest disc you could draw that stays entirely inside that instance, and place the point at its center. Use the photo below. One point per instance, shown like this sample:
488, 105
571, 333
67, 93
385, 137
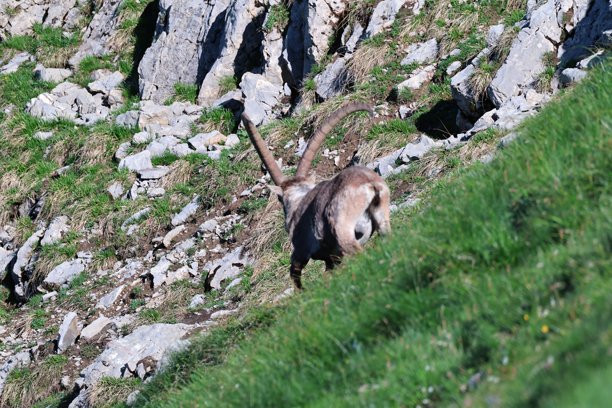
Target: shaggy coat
333, 218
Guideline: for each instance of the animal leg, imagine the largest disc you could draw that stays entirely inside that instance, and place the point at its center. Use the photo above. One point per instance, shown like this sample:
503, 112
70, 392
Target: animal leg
295, 272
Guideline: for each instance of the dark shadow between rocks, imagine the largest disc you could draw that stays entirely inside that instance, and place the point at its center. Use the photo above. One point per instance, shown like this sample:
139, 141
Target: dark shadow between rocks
143, 32
440, 121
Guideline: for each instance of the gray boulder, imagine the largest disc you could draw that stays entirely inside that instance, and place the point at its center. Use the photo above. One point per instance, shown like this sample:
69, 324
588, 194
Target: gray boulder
137, 162
571, 75
187, 212
418, 149
68, 332
418, 78
24, 255
14, 64
56, 230
383, 16
51, 74
64, 273
333, 80
110, 298
421, 53
105, 82
95, 328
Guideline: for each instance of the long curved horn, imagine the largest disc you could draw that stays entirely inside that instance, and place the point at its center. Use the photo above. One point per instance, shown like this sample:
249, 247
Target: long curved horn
322, 131
262, 150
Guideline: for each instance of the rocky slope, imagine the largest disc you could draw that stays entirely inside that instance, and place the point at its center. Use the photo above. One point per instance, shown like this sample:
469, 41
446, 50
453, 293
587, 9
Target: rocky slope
141, 216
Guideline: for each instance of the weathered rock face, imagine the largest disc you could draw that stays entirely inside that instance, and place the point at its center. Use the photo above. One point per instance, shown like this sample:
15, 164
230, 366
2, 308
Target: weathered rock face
18, 17
98, 35
186, 32
20, 268
122, 355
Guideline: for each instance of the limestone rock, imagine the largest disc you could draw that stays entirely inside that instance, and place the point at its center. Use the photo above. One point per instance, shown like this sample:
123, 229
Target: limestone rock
95, 328
24, 255
196, 301
6, 257
571, 75
106, 82
51, 74
64, 273
68, 332
154, 173
227, 267
416, 150
418, 78
18, 360
187, 212
333, 80
109, 299
115, 190
260, 97
169, 237
453, 67
43, 135
137, 162
56, 230
150, 342
14, 64
383, 16
421, 53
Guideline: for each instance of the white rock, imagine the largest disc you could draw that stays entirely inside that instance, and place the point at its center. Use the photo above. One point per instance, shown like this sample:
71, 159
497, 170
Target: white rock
43, 135
196, 301
136, 162
109, 299
64, 273
55, 232
453, 67
169, 237
418, 78
115, 190
95, 328
68, 332
154, 173
51, 74
421, 53
187, 212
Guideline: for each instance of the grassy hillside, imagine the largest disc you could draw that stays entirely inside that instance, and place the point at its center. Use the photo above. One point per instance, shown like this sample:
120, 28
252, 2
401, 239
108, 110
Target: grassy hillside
498, 293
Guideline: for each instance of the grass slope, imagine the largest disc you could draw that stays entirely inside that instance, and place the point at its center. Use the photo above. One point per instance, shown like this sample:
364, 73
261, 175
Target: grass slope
499, 291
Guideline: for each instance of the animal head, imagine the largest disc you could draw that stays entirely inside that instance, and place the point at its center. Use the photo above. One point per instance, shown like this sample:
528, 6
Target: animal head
290, 191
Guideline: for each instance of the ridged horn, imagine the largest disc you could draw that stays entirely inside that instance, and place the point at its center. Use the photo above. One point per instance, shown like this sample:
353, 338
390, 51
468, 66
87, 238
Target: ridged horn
323, 130
262, 150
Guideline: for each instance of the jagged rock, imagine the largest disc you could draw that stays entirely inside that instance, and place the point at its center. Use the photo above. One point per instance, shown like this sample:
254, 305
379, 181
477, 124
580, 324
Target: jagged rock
311, 24
260, 97
203, 141
68, 101
238, 47
227, 267
51, 74
159, 272
142, 137
154, 173
416, 150
109, 299
161, 146
135, 218
571, 75
333, 80
68, 332
20, 359
150, 342
115, 190
421, 53
463, 93
24, 255
173, 233
231, 100
63, 273
185, 30
418, 78
196, 301
187, 212
137, 162
383, 16
27, 13
356, 33
56, 230
6, 257
14, 64
105, 82
43, 135
128, 119
494, 34
95, 328
98, 36
453, 67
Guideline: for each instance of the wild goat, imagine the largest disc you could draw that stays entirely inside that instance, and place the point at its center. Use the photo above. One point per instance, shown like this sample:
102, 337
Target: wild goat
333, 218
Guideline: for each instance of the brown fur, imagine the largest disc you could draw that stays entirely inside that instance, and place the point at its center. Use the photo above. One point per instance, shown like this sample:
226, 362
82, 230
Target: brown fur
333, 218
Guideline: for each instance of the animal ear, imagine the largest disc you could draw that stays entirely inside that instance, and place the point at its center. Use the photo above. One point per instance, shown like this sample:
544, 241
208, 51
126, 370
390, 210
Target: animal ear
276, 190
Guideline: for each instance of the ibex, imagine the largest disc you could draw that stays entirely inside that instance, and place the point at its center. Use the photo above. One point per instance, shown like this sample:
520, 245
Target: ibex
333, 218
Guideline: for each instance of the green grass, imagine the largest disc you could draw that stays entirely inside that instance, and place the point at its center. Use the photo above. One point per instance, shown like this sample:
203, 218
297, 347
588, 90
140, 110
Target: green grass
278, 17
507, 272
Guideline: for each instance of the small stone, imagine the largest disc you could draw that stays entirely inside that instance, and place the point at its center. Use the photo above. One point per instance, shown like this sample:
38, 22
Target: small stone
123, 150
55, 232
63, 273
43, 135
196, 301
421, 53
95, 328
154, 173
108, 300
49, 296
169, 237
208, 226
136, 162
142, 137
187, 212
494, 34
115, 190
571, 75
232, 140
418, 78
453, 67
68, 332
202, 141
222, 313
156, 192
